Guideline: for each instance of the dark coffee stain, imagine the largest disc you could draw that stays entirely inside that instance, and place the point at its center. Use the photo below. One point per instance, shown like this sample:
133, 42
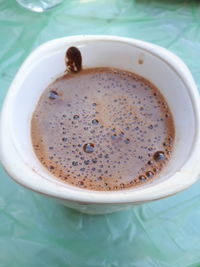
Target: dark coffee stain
73, 59
140, 61
141, 58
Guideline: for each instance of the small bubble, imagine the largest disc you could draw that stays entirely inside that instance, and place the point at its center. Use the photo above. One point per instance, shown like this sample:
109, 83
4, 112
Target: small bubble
88, 148
127, 141
94, 104
159, 155
170, 139
76, 117
122, 185
95, 122
74, 163
166, 115
53, 95
149, 174
142, 178
114, 136
155, 169
121, 134
86, 162
82, 169
64, 139
94, 160
150, 126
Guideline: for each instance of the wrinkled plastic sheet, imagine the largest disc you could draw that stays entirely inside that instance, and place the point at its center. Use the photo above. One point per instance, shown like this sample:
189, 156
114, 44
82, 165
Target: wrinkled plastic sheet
35, 230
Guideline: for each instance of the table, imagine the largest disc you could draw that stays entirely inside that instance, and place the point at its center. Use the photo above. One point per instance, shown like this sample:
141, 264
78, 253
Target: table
35, 230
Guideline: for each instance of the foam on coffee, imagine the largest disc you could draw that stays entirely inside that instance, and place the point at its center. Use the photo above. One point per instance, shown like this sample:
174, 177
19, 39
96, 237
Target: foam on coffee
103, 129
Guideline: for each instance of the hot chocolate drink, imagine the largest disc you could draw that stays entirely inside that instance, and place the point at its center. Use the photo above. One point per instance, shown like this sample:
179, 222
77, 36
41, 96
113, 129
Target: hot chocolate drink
103, 129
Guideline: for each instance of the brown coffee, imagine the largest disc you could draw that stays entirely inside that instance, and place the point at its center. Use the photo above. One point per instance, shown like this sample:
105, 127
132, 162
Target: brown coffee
103, 129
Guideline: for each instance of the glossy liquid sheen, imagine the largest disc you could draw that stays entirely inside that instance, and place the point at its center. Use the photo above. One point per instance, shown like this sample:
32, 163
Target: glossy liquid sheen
103, 129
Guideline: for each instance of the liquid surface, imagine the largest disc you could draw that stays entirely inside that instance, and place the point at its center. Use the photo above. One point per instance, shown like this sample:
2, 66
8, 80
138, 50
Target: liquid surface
103, 129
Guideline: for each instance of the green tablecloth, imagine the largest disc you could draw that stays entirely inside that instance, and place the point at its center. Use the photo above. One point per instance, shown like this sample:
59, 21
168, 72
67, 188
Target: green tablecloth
35, 230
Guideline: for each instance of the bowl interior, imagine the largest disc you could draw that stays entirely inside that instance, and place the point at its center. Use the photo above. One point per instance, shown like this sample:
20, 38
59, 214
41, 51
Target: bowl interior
47, 62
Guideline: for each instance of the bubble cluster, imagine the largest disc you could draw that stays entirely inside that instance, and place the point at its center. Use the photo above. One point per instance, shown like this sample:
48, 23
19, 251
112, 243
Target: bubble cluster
106, 129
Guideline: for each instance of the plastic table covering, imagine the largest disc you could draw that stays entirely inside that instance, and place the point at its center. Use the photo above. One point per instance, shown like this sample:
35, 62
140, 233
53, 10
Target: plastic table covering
37, 231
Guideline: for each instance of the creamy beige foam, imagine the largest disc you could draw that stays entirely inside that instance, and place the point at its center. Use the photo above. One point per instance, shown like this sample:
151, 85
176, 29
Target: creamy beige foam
103, 129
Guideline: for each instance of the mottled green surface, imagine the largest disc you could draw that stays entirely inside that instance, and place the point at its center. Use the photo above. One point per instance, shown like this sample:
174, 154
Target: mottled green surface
36, 231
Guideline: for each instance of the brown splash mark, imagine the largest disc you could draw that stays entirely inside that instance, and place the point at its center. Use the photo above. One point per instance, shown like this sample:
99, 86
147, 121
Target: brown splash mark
141, 58
73, 59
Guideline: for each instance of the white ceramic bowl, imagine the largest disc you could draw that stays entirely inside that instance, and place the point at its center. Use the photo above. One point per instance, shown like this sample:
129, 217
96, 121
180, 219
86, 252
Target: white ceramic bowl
159, 66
